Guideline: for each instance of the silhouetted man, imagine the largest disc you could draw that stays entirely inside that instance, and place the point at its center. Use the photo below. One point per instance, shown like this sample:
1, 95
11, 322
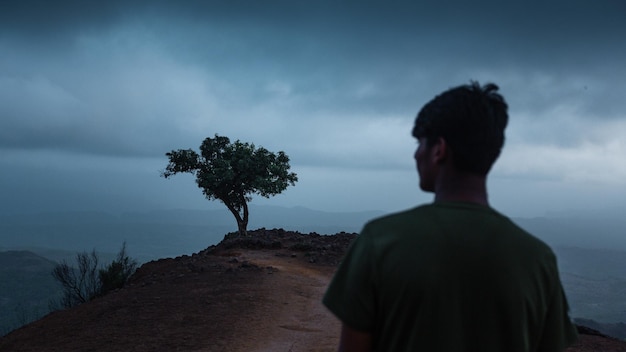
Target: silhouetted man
453, 275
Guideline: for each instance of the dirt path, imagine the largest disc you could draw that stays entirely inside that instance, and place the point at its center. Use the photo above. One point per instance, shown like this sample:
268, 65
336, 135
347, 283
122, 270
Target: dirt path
292, 315
253, 300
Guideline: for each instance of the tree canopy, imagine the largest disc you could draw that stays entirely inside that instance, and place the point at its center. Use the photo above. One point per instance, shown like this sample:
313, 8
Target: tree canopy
232, 172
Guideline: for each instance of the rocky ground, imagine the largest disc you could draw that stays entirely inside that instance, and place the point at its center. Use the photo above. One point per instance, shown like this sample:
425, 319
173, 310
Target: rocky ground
255, 293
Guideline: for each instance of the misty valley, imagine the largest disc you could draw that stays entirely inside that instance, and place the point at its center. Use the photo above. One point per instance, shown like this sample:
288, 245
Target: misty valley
591, 251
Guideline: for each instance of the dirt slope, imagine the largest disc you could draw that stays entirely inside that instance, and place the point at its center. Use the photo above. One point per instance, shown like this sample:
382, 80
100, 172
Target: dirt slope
252, 294
262, 297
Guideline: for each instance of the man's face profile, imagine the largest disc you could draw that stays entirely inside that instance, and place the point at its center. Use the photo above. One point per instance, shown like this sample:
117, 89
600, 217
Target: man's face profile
424, 163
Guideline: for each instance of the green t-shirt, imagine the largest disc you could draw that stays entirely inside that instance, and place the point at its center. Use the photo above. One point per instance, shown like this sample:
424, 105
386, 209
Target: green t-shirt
451, 277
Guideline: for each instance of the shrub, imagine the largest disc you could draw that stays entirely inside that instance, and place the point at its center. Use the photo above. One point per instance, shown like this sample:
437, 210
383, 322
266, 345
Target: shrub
88, 281
80, 284
116, 274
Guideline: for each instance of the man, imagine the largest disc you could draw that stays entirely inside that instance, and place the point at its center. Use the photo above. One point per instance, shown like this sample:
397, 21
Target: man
454, 275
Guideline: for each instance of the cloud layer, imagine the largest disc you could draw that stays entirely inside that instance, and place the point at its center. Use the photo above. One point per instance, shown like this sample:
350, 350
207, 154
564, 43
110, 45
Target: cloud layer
336, 86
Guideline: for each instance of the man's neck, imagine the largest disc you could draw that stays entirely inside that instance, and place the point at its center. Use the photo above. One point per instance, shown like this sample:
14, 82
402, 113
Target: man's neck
468, 188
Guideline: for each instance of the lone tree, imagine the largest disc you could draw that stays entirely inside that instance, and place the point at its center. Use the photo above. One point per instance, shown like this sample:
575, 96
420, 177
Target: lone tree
231, 172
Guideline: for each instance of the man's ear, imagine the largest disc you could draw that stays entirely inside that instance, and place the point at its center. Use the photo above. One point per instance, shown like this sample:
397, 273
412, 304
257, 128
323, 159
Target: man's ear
440, 151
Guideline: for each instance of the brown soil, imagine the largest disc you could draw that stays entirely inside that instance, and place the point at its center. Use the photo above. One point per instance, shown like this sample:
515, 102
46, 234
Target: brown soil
260, 293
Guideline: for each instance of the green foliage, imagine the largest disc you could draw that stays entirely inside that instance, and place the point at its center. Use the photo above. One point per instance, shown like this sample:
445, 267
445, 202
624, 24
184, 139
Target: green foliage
88, 280
117, 273
232, 172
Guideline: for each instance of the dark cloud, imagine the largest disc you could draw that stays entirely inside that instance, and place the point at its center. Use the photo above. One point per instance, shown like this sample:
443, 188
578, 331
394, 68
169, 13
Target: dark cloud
528, 29
134, 79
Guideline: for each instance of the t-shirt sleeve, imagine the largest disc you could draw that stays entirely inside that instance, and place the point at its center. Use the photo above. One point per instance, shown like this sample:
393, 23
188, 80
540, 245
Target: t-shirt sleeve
351, 295
559, 332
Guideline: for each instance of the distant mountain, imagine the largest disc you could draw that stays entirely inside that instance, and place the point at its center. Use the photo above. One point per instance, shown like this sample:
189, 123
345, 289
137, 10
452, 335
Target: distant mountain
586, 232
165, 233
595, 283
616, 330
161, 233
591, 251
26, 288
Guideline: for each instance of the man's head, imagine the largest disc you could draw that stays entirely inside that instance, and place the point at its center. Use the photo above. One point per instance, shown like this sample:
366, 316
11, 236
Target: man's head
471, 120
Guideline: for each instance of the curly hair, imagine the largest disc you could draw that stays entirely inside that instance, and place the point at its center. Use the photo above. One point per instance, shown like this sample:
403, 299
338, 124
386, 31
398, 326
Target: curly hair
471, 119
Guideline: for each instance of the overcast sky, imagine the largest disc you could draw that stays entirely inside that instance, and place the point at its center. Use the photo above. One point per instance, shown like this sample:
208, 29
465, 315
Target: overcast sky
92, 97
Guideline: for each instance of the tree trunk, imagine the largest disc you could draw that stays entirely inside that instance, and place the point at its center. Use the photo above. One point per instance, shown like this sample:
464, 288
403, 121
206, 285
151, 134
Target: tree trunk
242, 222
243, 225
242, 228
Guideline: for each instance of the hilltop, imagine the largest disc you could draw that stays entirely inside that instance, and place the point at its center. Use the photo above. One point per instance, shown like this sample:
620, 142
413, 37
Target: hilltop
257, 293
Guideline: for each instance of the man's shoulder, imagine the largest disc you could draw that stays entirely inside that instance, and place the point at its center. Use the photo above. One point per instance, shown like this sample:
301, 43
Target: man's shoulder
442, 211
411, 214
452, 217
410, 221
